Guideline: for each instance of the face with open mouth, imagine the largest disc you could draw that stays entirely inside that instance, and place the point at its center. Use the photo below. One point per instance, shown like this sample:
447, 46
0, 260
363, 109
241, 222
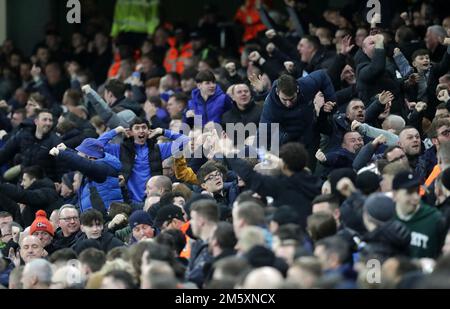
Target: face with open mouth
140, 133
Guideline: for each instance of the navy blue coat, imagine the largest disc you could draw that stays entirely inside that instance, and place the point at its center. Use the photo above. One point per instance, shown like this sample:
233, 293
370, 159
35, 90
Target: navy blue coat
297, 123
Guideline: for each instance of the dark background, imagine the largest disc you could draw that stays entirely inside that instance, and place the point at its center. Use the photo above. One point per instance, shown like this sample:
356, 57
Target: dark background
26, 19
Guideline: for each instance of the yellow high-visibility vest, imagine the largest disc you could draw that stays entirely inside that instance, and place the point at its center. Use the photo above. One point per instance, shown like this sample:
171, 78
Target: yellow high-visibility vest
141, 16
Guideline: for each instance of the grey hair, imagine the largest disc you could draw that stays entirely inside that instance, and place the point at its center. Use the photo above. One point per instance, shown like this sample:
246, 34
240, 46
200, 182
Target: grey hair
67, 206
40, 268
438, 30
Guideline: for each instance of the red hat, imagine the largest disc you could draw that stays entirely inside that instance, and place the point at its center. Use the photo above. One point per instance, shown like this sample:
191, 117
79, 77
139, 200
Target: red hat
41, 223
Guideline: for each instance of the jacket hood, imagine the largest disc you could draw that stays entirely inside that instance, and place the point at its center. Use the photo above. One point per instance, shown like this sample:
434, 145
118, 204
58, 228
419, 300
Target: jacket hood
111, 160
196, 95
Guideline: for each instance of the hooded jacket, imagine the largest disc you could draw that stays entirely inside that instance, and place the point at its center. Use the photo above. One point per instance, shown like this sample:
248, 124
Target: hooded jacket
100, 185
428, 232
214, 107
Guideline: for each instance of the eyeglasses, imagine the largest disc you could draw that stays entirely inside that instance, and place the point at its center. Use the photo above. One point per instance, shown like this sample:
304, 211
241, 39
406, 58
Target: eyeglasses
213, 176
68, 219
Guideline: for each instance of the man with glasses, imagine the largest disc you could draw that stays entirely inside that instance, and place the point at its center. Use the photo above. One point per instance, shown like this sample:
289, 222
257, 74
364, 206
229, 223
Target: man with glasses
69, 227
211, 179
289, 104
427, 225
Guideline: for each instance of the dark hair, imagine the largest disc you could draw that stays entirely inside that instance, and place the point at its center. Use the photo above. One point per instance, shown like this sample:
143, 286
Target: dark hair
335, 244
75, 96
35, 172
207, 209
116, 87
179, 240
321, 225
224, 235
327, 198
313, 40
139, 120
420, 52
290, 231
63, 255
252, 213
205, 76
287, 84
119, 208
155, 100
206, 169
295, 156
441, 106
90, 217
42, 111
93, 258
180, 97
122, 276
189, 73
405, 34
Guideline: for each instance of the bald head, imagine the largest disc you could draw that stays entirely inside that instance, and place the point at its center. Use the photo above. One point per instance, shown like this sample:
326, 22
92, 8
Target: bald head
158, 185
263, 278
31, 248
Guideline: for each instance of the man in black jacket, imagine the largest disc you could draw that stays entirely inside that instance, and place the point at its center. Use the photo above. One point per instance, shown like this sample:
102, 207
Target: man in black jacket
374, 74
69, 227
36, 193
295, 188
31, 146
244, 110
93, 234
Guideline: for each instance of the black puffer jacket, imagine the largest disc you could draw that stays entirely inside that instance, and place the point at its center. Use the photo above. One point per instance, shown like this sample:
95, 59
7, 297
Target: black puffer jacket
387, 240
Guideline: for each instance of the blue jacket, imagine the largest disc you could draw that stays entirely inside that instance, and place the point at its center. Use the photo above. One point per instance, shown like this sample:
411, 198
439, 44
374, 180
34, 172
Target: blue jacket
213, 108
297, 123
141, 170
100, 174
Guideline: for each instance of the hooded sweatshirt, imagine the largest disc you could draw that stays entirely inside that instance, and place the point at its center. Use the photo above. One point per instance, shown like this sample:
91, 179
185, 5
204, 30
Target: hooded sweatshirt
428, 232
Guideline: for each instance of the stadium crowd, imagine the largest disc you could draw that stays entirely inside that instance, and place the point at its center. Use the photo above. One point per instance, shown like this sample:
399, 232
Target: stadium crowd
119, 169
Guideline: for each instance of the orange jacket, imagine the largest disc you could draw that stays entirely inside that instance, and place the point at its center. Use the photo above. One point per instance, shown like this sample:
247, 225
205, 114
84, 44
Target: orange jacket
248, 16
175, 59
186, 253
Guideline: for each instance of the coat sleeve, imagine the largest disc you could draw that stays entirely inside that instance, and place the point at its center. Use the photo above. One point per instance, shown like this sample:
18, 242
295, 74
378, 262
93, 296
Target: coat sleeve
104, 111
315, 82
369, 72
27, 197
183, 172
264, 185
363, 157
96, 171
10, 149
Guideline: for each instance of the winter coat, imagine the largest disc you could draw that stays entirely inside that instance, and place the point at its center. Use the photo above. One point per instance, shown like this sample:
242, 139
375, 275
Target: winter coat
214, 107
